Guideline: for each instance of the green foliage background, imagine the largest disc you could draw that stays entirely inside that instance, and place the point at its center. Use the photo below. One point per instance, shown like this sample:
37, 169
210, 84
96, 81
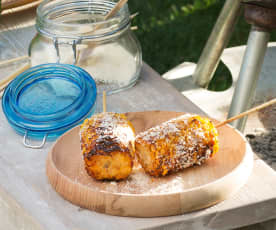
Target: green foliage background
174, 31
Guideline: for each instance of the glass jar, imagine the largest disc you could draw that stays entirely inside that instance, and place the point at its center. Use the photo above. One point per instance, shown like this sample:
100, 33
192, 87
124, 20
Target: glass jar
75, 32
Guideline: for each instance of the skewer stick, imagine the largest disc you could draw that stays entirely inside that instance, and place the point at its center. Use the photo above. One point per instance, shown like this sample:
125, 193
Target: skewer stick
134, 28
104, 101
13, 75
2, 87
112, 12
133, 15
12, 4
14, 60
1, 94
115, 9
257, 108
25, 6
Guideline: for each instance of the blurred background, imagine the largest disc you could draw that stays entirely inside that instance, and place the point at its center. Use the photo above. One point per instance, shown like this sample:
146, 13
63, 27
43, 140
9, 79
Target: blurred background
174, 31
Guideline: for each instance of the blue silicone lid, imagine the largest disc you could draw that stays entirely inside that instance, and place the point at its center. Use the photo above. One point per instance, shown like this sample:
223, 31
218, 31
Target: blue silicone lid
48, 99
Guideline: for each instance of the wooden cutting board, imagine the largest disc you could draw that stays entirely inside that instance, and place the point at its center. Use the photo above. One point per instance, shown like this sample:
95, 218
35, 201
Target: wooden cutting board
144, 196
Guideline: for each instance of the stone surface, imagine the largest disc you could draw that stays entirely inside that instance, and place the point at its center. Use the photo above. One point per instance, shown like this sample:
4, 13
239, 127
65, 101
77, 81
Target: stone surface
264, 145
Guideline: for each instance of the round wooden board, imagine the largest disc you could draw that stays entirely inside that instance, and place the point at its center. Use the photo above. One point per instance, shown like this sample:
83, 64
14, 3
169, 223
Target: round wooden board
144, 196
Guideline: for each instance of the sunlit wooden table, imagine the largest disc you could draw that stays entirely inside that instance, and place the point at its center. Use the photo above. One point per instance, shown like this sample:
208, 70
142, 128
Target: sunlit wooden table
27, 200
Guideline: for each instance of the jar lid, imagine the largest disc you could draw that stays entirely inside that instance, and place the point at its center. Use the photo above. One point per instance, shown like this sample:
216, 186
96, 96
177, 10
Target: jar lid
48, 99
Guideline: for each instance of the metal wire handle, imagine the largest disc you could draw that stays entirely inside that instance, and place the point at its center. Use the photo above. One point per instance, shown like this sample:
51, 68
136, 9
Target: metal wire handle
73, 44
34, 146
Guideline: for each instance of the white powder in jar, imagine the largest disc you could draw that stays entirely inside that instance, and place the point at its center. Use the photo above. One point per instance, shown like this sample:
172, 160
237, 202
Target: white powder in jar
107, 63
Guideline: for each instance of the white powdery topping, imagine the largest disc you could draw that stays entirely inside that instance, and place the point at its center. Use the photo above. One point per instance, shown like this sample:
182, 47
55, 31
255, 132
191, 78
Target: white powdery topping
138, 181
182, 117
181, 151
166, 128
112, 127
150, 185
108, 125
159, 131
141, 183
200, 133
108, 122
171, 186
124, 134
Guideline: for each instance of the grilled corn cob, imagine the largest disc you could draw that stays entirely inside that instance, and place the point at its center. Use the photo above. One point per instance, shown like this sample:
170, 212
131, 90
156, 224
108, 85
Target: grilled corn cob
107, 145
176, 144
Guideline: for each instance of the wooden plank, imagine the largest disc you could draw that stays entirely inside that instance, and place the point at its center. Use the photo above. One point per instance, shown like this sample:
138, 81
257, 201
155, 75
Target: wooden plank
13, 216
8, 4
13, 8
17, 20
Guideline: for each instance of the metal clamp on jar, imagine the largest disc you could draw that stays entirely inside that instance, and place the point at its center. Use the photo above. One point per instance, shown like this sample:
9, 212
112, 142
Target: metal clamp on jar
75, 32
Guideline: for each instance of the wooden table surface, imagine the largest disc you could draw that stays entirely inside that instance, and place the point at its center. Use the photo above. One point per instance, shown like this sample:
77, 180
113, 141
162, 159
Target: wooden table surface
27, 200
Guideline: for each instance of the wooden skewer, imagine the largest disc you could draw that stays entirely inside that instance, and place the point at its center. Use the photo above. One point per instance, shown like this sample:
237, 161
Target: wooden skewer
4, 83
112, 12
134, 28
13, 75
20, 7
2, 87
13, 3
115, 9
104, 101
14, 60
1, 94
133, 15
257, 108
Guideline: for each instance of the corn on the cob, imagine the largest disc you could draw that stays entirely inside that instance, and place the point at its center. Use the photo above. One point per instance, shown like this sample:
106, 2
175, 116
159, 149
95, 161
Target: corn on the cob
176, 144
107, 145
